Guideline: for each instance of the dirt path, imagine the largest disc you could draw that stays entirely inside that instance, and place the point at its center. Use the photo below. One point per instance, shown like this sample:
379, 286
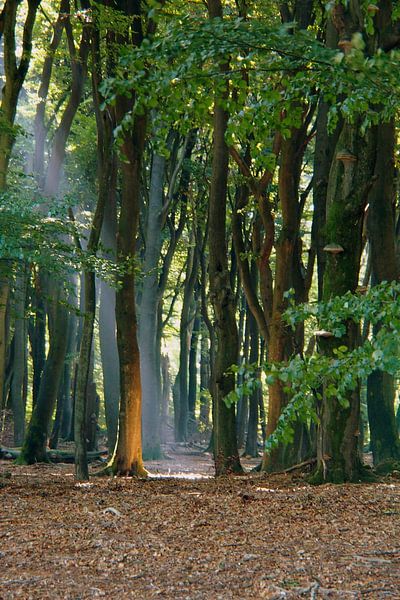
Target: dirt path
188, 538
184, 461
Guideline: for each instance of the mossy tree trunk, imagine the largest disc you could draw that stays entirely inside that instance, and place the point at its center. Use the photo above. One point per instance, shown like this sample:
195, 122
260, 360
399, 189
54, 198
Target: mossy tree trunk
384, 437
348, 191
226, 455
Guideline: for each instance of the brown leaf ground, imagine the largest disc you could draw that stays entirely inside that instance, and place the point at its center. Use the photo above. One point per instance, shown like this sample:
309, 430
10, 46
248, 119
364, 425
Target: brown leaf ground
188, 538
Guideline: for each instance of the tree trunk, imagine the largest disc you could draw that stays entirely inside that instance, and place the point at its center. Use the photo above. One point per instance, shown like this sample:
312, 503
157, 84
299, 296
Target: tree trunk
348, 190
107, 324
109, 361
204, 418
34, 447
280, 345
148, 323
226, 455
166, 395
251, 448
89, 280
4, 294
20, 354
184, 338
14, 78
192, 387
127, 459
381, 232
38, 334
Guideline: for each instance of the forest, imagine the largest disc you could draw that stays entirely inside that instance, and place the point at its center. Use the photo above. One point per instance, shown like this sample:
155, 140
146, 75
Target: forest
199, 298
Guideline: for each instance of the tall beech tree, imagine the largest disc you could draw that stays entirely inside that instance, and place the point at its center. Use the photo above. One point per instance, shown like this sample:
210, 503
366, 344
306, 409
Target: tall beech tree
15, 71
384, 267
226, 456
353, 182
127, 458
34, 447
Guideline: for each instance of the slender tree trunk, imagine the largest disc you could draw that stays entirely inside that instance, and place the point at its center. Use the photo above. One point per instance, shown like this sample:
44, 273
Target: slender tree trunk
107, 324
166, 395
34, 447
89, 280
20, 354
243, 404
226, 455
204, 418
109, 361
251, 448
280, 345
15, 74
184, 337
4, 293
192, 387
148, 324
38, 334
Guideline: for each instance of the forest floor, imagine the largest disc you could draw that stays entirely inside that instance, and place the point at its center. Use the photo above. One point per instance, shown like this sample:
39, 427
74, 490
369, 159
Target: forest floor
182, 534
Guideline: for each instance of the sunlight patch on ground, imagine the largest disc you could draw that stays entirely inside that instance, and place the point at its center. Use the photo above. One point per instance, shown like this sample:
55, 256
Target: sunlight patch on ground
181, 475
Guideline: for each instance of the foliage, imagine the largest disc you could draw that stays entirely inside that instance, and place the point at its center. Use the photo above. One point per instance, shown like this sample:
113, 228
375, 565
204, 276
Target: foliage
268, 69
306, 378
45, 237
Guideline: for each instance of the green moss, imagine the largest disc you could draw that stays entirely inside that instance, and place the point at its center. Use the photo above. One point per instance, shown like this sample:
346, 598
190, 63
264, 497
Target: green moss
34, 447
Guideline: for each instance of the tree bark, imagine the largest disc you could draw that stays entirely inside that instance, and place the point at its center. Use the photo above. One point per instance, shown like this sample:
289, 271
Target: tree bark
15, 74
226, 455
20, 354
148, 322
34, 447
384, 437
348, 190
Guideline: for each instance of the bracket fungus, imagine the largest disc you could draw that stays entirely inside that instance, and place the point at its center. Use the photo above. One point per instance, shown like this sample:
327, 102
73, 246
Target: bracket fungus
346, 157
333, 248
345, 45
322, 333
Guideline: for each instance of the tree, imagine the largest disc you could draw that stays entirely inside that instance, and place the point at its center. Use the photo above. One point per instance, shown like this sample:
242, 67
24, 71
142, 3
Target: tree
15, 73
225, 444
